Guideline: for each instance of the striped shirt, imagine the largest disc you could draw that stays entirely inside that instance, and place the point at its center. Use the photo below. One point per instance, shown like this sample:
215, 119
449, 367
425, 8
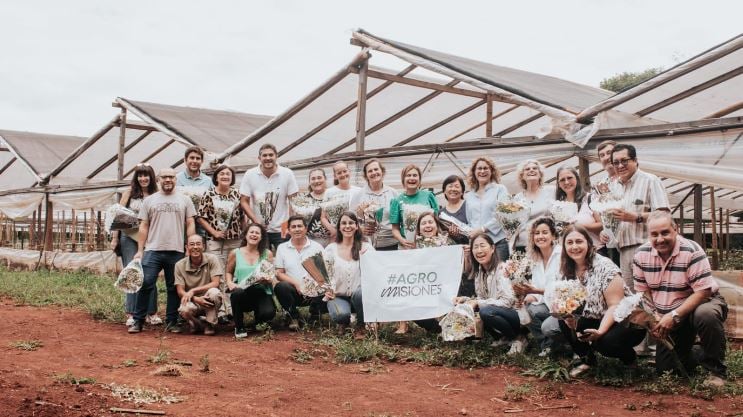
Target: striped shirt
642, 193
671, 282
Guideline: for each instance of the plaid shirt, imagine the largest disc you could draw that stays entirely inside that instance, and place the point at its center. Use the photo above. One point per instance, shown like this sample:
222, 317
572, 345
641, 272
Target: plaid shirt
642, 193
671, 282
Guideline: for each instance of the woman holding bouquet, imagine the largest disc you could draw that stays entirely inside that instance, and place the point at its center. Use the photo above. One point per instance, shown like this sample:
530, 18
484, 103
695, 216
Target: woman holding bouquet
569, 189
342, 188
594, 330
453, 189
372, 203
494, 296
344, 254
317, 227
537, 196
407, 207
143, 184
484, 195
242, 263
429, 233
544, 251
220, 214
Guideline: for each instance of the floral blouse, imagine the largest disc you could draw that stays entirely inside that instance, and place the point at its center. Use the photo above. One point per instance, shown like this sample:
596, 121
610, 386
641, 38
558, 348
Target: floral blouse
222, 212
596, 279
493, 289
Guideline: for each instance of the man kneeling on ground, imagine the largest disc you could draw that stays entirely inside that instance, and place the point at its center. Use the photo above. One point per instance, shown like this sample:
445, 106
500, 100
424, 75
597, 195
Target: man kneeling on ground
197, 282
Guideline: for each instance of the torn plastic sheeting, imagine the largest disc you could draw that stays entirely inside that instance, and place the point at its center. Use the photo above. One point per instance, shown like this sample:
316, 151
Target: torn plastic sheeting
20, 205
99, 262
83, 200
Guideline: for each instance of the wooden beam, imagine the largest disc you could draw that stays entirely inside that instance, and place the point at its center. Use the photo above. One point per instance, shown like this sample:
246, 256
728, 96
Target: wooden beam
585, 173
424, 84
727, 110
489, 117
6, 166
361, 107
691, 91
152, 155
112, 159
519, 124
713, 224
698, 235
681, 203
342, 113
48, 226
137, 126
441, 123
468, 130
391, 119
122, 145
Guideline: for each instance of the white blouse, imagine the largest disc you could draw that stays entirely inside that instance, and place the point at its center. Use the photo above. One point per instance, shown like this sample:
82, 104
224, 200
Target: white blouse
542, 276
493, 289
346, 275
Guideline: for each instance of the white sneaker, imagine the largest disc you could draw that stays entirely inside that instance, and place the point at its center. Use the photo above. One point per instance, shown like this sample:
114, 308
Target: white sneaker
154, 320
499, 343
130, 321
517, 346
545, 352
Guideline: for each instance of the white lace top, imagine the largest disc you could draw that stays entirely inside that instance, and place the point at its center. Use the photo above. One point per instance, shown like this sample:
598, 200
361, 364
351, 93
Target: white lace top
346, 274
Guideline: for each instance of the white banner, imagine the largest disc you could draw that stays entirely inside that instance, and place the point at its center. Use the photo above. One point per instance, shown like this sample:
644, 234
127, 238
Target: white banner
410, 284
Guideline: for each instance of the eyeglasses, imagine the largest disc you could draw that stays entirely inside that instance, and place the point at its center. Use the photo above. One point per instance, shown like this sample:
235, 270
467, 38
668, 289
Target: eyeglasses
622, 162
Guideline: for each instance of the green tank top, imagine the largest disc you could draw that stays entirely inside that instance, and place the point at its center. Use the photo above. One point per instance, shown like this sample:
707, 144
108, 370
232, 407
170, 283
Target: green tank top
243, 269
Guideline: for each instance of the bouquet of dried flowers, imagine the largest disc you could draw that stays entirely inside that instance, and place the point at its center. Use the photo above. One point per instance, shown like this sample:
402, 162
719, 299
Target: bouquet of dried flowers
511, 213
564, 213
410, 214
517, 269
607, 197
265, 271
459, 324
194, 193
565, 298
447, 221
304, 205
119, 217
320, 272
131, 277
335, 206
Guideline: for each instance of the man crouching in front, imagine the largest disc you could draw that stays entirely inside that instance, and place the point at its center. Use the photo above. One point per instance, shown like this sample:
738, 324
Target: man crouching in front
197, 282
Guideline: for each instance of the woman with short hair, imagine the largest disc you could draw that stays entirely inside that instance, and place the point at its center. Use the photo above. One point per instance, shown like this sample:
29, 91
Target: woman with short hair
453, 189
375, 196
538, 198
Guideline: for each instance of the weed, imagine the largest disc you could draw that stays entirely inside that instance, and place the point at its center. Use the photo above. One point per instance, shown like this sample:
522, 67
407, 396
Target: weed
161, 356
547, 369
128, 363
668, 383
140, 395
734, 362
68, 378
27, 345
300, 355
267, 330
517, 392
204, 364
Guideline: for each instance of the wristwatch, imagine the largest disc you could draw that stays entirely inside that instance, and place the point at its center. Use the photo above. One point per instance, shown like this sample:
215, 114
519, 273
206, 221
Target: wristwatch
675, 316
639, 218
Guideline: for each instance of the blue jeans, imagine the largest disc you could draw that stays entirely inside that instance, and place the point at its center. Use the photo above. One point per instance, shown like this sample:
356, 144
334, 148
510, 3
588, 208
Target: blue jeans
539, 313
152, 263
339, 309
128, 250
500, 322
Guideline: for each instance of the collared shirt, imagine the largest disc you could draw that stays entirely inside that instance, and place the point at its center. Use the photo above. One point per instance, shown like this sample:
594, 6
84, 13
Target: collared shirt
538, 207
290, 258
642, 193
381, 199
671, 282
480, 210
269, 196
192, 276
182, 179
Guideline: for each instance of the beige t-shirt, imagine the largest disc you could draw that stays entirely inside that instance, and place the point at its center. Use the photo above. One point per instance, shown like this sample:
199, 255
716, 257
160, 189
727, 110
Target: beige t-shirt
192, 276
166, 215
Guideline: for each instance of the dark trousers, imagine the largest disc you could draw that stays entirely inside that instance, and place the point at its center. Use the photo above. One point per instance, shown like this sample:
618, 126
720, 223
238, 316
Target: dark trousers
707, 322
500, 322
611, 253
152, 263
386, 248
501, 248
290, 300
275, 239
616, 343
253, 298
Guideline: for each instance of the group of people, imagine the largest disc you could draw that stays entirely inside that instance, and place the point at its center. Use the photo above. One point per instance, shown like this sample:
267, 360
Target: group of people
210, 244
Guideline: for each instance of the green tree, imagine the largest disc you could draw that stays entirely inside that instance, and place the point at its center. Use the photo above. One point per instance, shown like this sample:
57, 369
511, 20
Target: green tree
619, 82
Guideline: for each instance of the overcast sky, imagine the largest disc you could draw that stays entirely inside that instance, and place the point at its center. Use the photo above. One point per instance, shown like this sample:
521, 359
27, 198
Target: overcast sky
63, 62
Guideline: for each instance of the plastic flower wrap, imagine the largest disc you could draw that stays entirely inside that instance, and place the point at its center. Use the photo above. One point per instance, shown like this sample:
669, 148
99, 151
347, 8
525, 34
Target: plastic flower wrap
511, 214
636, 310
119, 217
431, 242
565, 298
603, 204
458, 324
564, 213
410, 214
267, 206
370, 214
131, 277
223, 212
265, 271
517, 269
320, 272
194, 193
447, 221
335, 207
304, 206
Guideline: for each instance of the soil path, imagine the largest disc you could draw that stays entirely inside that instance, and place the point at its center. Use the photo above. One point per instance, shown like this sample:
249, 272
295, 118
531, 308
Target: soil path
262, 379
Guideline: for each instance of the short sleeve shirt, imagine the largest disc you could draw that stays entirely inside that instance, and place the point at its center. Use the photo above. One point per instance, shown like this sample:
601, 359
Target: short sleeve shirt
397, 207
222, 212
192, 276
597, 280
182, 179
642, 193
269, 196
166, 215
290, 258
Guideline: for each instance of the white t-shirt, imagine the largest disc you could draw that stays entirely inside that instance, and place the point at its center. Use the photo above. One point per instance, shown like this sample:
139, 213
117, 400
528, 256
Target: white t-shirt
333, 191
290, 258
166, 216
269, 197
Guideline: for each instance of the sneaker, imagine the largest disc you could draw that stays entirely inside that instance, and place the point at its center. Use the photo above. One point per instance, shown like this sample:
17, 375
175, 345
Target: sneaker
579, 370
545, 352
129, 321
174, 328
499, 343
294, 325
136, 327
517, 346
223, 320
714, 381
154, 319
209, 330
241, 333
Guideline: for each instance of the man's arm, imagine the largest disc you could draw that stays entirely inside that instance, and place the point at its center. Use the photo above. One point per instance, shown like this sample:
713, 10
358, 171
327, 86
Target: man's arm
666, 323
281, 275
144, 230
245, 204
190, 226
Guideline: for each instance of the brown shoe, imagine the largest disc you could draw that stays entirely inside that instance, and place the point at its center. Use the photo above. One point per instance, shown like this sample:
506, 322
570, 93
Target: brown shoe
209, 330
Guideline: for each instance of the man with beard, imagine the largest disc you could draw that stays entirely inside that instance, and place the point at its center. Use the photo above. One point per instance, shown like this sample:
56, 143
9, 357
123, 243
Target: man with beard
165, 218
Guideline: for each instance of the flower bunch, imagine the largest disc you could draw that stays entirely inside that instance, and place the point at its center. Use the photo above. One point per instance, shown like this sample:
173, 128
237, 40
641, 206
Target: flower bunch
304, 206
511, 214
194, 193
431, 242
335, 207
564, 213
447, 221
320, 271
637, 310
119, 217
565, 298
517, 268
131, 277
604, 203
458, 324
223, 212
410, 214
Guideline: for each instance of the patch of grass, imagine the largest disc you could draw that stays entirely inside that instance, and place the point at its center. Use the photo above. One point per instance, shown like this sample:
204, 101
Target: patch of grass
517, 392
27, 345
204, 364
548, 369
267, 330
668, 383
300, 355
128, 363
69, 378
734, 362
140, 395
613, 373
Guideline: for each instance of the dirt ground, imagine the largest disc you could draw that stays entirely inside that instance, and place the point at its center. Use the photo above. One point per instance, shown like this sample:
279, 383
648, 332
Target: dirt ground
262, 379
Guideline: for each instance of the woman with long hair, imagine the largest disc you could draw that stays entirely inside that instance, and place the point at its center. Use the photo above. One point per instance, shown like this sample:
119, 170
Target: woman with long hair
372, 203
538, 197
494, 296
241, 264
345, 254
405, 208
142, 185
570, 189
595, 330
484, 195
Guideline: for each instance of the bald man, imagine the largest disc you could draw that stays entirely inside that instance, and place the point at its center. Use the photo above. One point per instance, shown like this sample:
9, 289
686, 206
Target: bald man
165, 218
